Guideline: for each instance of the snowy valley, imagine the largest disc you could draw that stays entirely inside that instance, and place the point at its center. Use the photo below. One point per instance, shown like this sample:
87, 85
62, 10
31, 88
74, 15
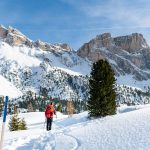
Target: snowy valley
128, 129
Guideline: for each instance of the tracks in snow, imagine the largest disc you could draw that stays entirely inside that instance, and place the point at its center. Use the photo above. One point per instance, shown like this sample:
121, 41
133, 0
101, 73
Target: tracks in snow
70, 141
57, 139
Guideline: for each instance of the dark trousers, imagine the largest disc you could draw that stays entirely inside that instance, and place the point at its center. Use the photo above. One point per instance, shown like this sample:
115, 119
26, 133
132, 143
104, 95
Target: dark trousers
49, 123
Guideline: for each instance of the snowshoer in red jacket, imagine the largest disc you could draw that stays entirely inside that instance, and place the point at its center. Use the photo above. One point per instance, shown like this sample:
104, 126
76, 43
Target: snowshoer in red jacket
50, 110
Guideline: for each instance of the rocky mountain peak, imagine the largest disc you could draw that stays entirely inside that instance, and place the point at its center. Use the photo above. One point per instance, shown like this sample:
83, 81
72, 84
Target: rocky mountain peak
103, 40
14, 37
91, 49
15, 31
64, 46
131, 43
134, 61
41, 45
3, 32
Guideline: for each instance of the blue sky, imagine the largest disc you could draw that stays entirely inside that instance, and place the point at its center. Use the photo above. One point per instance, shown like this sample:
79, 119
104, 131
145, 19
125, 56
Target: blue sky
76, 21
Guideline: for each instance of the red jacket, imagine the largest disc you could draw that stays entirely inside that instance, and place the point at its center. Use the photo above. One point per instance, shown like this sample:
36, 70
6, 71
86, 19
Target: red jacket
50, 110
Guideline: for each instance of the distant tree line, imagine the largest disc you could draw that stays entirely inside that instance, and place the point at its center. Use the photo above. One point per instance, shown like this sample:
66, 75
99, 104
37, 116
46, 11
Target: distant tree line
31, 102
38, 103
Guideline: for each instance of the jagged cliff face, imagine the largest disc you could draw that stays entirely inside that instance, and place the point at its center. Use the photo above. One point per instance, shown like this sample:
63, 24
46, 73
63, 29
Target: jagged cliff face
127, 54
131, 43
15, 38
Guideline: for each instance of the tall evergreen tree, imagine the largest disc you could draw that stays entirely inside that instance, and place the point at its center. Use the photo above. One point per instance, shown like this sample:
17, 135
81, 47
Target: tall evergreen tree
102, 97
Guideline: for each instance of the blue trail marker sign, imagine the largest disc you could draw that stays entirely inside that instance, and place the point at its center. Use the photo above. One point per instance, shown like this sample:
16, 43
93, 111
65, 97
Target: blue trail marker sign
3, 124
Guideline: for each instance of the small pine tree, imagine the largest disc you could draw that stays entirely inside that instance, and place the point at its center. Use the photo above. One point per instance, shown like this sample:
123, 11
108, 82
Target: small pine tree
59, 108
30, 107
102, 94
70, 108
22, 125
14, 123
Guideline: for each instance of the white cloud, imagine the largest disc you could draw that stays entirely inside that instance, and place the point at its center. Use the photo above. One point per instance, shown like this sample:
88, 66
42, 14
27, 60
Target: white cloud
128, 13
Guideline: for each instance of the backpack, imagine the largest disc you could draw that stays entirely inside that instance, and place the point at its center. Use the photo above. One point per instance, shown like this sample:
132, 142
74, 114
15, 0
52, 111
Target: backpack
49, 112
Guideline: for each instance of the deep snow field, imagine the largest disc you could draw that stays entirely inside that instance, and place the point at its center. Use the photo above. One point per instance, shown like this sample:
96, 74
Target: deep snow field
129, 129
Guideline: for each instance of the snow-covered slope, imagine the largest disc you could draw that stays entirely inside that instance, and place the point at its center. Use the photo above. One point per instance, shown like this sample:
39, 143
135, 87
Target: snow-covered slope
55, 69
129, 80
8, 89
30, 69
130, 130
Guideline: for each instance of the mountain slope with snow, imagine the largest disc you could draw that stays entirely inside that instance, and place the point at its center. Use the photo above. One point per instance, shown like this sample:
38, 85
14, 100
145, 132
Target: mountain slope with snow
31, 69
7, 88
57, 70
130, 130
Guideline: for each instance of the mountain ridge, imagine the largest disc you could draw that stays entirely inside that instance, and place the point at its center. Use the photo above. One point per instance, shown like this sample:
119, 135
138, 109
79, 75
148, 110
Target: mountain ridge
14, 37
59, 71
127, 54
